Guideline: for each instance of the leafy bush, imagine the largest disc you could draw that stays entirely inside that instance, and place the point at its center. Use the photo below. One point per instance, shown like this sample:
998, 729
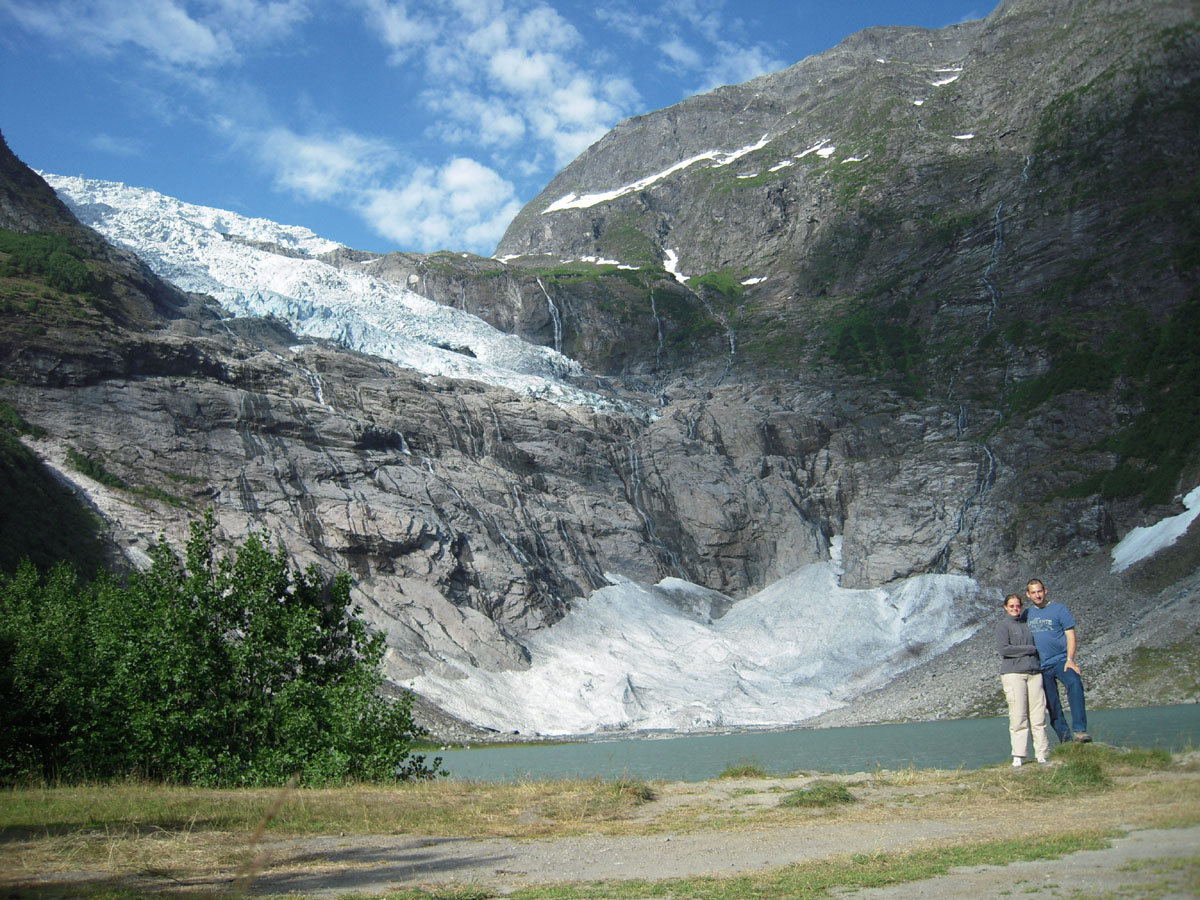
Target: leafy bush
879, 343
1079, 775
227, 671
12, 420
1161, 441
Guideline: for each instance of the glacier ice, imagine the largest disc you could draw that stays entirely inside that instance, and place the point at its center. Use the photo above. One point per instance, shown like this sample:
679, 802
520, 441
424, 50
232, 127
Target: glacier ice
625, 658
215, 252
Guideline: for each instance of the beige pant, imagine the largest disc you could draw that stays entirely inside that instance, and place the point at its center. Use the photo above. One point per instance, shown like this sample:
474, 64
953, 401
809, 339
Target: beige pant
1026, 712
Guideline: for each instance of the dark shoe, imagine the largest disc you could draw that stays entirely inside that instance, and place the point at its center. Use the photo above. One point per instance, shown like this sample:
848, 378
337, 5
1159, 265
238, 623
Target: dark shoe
1082, 737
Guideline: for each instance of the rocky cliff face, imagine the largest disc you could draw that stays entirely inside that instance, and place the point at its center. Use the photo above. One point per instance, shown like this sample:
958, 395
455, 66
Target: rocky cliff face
940, 283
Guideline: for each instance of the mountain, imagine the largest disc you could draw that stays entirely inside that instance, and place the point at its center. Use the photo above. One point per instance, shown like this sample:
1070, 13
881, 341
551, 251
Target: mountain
761, 403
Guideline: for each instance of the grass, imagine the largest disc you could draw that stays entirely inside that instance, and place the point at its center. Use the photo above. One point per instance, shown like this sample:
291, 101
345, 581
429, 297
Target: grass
819, 793
743, 769
176, 836
443, 808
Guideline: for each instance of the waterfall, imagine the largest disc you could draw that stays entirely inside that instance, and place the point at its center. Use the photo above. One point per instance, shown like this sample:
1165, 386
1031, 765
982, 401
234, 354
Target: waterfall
314, 381
989, 477
658, 323
985, 478
554, 316
496, 424
477, 442
997, 246
595, 577
729, 333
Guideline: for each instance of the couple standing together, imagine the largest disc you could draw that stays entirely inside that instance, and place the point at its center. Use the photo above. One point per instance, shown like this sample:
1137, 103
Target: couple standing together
1037, 652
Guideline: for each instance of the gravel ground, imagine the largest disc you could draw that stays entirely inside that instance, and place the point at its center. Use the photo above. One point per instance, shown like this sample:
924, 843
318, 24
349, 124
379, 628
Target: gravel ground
1165, 861
886, 818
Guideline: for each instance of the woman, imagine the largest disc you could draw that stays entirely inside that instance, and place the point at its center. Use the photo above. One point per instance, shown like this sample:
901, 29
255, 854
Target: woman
1021, 675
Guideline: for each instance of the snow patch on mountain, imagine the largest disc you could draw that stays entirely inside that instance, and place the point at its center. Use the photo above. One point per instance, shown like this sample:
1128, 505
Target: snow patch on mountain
254, 267
717, 157
1143, 542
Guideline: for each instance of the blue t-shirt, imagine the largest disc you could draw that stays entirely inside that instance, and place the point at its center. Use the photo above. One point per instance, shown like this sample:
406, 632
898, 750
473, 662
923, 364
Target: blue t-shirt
1049, 626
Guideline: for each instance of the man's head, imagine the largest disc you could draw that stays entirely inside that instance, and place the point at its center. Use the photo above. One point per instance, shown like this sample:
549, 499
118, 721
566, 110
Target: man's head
1036, 592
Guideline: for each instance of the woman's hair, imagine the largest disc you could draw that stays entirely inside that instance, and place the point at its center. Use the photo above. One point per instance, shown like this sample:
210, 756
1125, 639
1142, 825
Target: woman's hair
1016, 597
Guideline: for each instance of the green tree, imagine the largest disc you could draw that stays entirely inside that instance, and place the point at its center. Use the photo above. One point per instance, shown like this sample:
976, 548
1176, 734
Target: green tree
213, 670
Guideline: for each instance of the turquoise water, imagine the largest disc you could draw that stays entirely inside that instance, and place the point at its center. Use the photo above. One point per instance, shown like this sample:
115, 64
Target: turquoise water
960, 743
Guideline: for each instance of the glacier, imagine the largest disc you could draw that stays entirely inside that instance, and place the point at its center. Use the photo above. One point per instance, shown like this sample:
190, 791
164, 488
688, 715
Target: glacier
627, 659
229, 257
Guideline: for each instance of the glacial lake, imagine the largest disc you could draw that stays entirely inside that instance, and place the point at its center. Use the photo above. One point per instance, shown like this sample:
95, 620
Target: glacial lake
950, 744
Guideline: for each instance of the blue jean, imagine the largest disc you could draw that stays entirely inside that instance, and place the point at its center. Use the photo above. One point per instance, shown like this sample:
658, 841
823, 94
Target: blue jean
1051, 676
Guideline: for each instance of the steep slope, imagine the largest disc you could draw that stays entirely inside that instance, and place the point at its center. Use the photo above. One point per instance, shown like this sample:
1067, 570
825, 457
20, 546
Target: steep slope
916, 205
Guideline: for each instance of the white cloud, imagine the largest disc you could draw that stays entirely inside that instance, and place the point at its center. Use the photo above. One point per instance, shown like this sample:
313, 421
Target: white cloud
733, 64
494, 123
396, 28
636, 24
439, 208
323, 168
116, 146
517, 70
165, 30
703, 15
520, 71
682, 54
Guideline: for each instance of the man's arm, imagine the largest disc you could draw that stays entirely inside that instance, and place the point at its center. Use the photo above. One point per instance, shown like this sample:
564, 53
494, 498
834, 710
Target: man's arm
1070, 663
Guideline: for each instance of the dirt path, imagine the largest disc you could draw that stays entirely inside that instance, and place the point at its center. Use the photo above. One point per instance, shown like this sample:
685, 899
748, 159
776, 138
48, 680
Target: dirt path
733, 827
1167, 860
888, 818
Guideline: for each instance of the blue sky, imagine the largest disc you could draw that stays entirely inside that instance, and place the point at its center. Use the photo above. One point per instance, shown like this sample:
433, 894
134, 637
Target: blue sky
382, 124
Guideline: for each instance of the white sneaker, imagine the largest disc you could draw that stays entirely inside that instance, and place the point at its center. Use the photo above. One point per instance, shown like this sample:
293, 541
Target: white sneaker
1018, 762
1042, 761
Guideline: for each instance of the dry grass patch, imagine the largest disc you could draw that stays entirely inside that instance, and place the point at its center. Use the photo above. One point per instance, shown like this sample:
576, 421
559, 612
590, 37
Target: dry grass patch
187, 835
177, 832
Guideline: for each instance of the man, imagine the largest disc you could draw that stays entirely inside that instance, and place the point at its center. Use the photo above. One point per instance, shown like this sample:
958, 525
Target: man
1054, 635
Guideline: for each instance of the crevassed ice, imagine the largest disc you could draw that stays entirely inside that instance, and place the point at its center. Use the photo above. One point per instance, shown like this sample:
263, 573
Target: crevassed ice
626, 659
196, 249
